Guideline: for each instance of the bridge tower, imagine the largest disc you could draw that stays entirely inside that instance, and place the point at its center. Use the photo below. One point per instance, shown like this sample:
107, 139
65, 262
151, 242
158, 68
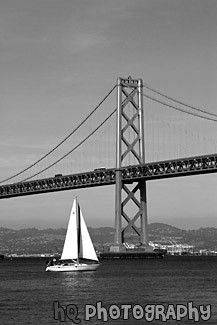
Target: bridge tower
130, 199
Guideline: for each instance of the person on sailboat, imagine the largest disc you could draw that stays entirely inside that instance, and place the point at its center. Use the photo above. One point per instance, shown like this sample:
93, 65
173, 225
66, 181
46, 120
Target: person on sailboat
51, 262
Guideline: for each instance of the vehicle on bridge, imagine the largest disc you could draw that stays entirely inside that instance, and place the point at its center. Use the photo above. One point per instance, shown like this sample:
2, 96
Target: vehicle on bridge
100, 169
58, 175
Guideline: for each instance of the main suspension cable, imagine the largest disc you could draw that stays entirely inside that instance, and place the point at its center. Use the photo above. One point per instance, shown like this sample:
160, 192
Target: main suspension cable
59, 144
73, 149
178, 101
179, 109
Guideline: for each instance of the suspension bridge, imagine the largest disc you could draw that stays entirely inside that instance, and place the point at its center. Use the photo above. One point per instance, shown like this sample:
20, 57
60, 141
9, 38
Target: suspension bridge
155, 136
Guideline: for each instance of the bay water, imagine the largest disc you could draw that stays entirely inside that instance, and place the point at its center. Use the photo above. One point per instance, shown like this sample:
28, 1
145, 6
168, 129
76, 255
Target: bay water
173, 290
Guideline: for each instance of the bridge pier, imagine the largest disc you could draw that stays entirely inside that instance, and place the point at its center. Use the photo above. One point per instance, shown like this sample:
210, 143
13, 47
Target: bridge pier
130, 198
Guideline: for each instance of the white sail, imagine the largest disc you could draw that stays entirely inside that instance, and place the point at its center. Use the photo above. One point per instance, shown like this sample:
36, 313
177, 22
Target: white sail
86, 246
70, 249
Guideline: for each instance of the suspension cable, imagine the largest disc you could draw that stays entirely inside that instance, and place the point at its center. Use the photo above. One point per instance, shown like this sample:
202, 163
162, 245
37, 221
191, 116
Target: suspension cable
179, 109
59, 144
178, 101
73, 149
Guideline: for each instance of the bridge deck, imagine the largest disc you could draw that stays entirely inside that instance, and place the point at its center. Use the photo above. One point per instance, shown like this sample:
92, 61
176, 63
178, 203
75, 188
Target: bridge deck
150, 171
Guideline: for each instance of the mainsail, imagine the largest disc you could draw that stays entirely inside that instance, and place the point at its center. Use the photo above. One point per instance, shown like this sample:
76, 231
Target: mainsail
70, 249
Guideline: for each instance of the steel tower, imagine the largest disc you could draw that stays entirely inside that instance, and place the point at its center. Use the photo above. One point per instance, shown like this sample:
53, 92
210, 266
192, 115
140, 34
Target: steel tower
130, 198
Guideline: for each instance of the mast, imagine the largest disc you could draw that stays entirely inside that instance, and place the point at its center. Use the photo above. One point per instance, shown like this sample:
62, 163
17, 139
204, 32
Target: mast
78, 219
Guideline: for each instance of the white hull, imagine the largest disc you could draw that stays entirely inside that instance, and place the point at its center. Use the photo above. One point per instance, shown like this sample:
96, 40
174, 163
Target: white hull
72, 267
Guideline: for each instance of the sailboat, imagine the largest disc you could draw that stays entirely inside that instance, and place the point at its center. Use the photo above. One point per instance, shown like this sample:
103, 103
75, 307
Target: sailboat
77, 247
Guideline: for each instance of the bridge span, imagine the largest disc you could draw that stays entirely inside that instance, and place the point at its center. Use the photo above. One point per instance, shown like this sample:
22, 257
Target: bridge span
131, 170
129, 174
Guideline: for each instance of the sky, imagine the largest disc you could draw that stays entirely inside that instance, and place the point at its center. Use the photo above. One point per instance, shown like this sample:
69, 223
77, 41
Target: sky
57, 61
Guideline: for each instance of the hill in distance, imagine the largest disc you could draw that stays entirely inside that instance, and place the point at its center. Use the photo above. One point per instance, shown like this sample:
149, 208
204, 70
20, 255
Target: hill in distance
46, 241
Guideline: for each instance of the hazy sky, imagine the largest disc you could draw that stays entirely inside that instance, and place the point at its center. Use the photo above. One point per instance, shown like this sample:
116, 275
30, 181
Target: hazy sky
58, 56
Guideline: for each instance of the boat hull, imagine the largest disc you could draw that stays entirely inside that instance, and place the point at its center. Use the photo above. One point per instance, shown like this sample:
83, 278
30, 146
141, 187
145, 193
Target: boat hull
72, 268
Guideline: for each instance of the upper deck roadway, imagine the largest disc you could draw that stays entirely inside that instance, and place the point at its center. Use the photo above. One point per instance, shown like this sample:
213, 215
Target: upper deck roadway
150, 171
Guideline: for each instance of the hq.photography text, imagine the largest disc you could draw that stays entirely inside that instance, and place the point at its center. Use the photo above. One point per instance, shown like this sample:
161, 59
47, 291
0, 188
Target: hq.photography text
148, 312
